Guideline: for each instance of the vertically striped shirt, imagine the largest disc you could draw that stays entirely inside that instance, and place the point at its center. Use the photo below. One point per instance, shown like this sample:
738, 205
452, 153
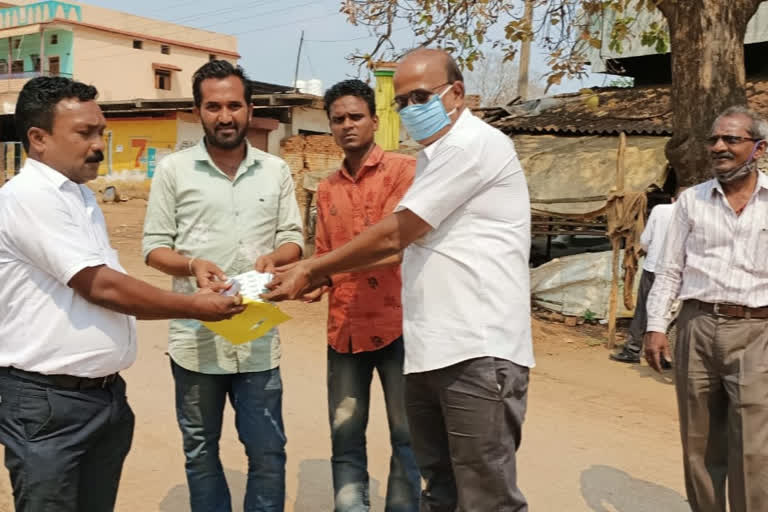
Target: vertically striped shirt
711, 254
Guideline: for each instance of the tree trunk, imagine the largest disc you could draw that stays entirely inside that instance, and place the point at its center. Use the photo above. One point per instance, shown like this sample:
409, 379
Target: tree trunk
707, 44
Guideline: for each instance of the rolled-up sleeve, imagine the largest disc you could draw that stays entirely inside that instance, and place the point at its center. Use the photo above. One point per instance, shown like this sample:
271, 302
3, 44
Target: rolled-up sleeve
669, 270
289, 226
160, 228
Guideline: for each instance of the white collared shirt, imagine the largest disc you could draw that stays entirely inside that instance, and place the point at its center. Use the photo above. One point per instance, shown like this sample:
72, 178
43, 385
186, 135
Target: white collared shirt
711, 254
466, 289
51, 229
654, 234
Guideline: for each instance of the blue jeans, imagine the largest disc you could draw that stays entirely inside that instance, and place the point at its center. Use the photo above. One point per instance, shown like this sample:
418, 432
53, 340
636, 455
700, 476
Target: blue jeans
349, 387
256, 398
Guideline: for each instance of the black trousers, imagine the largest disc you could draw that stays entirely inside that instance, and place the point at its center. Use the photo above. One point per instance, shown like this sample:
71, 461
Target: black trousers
64, 448
634, 343
466, 423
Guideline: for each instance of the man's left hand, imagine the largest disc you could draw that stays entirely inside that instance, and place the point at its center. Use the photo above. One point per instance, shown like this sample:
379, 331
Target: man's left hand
266, 264
290, 283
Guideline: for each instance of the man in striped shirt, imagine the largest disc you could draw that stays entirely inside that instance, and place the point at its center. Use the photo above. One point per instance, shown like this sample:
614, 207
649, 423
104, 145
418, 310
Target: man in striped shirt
714, 261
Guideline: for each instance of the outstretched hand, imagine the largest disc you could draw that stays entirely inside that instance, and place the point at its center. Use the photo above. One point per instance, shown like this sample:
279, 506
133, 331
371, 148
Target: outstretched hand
211, 306
207, 273
291, 282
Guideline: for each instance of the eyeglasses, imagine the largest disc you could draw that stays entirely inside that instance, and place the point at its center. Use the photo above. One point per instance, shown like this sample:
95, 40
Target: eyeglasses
419, 96
729, 140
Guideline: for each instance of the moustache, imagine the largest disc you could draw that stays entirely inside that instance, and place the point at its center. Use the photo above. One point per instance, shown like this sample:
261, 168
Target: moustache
230, 126
723, 154
95, 158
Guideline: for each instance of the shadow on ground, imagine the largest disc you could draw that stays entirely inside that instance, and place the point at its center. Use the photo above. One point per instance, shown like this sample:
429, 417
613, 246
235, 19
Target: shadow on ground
177, 499
315, 488
646, 372
607, 489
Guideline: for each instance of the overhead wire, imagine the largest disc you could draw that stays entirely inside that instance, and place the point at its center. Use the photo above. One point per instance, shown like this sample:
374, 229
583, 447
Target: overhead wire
370, 36
187, 28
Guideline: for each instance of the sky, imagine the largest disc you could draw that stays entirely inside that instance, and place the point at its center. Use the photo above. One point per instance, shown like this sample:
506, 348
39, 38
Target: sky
268, 33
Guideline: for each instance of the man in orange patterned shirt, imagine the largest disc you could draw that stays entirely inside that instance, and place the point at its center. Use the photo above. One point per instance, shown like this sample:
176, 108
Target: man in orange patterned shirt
365, 322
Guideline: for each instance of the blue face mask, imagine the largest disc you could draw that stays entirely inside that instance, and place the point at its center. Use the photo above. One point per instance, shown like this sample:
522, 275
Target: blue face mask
424, 120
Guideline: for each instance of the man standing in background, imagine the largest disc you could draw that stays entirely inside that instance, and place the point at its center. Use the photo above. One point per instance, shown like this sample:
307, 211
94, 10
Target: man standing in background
365, 317
652, 241
714, 261
215, 210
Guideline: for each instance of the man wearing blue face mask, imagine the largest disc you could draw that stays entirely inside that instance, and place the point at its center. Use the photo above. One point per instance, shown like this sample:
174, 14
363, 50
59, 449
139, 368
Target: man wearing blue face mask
464, 231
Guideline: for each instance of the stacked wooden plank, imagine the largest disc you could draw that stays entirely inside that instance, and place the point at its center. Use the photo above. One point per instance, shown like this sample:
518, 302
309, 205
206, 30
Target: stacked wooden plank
322, 153
309, 153
292, 151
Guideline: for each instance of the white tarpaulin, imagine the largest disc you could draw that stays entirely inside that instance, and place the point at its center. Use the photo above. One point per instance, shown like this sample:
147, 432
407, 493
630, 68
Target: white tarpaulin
573, 285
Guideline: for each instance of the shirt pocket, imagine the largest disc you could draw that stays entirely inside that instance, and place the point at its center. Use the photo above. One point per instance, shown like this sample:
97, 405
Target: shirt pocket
757, 250
261, 211
267, 202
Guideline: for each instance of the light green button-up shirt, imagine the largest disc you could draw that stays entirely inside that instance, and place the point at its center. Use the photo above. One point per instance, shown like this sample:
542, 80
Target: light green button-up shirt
196, 210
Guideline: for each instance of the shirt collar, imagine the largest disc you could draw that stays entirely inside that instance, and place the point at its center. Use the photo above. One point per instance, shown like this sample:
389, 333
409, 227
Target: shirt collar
200, 154
371, 162
762, 182
48, 173
430, 150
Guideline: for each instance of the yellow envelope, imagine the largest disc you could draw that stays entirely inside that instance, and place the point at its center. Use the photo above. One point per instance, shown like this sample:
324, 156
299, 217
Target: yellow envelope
256, 321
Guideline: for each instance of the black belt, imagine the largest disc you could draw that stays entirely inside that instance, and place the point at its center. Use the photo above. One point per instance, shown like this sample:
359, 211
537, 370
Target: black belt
61, 381
732, 310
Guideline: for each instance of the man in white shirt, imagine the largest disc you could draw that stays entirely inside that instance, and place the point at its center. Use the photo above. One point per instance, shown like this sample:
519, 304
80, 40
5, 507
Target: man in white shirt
465, 228
652, 241
67, 325
714, 261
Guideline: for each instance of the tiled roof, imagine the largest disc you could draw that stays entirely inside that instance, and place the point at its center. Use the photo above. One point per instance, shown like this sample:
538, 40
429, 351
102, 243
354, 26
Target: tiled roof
602, 111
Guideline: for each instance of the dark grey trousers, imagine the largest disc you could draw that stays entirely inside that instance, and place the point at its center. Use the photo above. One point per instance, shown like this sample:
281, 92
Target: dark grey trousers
639, 322
466, 423
64, 449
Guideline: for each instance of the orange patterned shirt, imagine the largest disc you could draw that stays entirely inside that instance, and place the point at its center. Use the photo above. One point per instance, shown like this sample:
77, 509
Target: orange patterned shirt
365, 311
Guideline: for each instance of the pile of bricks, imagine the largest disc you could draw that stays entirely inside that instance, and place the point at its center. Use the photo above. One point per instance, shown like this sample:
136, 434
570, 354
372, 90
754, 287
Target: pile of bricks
309, 153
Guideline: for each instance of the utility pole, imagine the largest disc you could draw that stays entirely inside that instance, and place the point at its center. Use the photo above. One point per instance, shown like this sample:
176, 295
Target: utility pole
298, 56
525, 53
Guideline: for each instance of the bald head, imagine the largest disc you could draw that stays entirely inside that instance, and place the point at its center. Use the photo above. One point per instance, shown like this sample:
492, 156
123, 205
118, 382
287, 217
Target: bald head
427, 69
437, 63
425, 73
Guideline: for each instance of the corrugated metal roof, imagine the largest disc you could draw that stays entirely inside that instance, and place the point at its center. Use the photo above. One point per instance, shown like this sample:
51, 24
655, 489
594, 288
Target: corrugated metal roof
602, 111
756, 32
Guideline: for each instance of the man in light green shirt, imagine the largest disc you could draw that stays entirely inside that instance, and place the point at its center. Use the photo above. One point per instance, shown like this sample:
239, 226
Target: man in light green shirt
215, 210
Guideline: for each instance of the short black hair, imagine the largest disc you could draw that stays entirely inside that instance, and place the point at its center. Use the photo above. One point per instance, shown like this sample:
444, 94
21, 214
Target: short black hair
350, 88
219, 69
38, 99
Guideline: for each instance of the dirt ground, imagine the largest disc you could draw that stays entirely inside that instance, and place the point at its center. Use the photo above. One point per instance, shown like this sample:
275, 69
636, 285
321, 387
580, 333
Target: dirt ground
599, 436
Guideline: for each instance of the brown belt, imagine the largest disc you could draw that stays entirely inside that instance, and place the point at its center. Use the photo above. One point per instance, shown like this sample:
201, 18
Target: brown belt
60, 381
732, 310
